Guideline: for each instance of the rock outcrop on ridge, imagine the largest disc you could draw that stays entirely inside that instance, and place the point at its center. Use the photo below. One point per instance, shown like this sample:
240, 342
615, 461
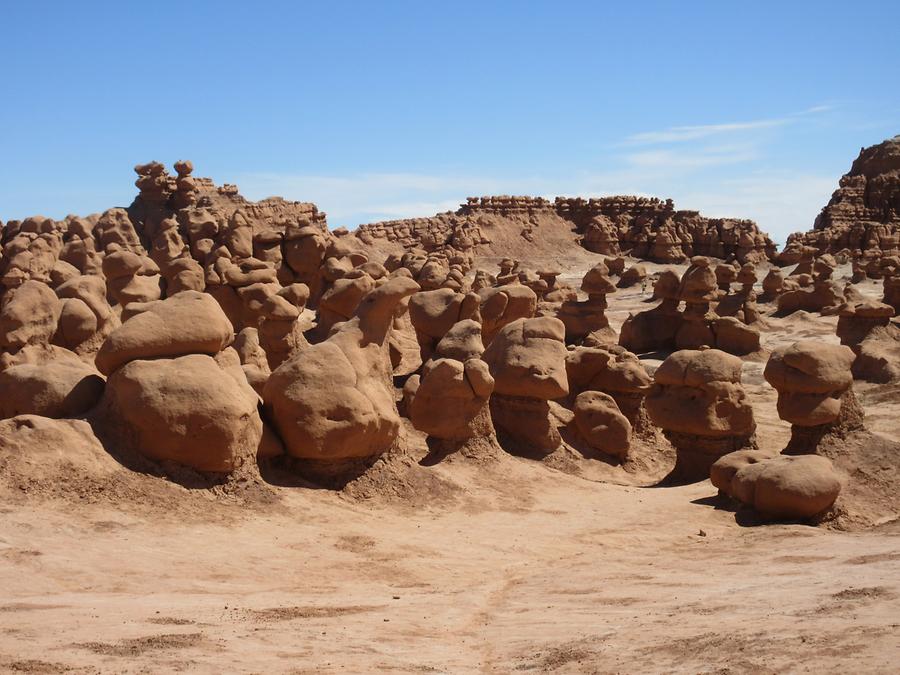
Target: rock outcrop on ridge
862, 218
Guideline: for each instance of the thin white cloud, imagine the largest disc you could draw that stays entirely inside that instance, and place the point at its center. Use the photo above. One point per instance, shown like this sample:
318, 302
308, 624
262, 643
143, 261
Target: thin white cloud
694, 159
816, 109
697, 132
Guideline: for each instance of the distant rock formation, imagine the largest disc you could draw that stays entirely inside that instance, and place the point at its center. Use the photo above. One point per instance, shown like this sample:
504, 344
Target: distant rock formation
646, 228
862, 219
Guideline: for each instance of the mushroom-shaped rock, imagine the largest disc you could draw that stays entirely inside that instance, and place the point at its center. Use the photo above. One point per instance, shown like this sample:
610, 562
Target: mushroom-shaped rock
814, 384
586, 317
187, 323
655, 328
810, 378
186, 410
528, 361
699, 403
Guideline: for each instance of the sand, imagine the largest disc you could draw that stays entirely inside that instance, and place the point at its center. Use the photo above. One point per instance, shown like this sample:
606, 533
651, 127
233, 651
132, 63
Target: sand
480, 564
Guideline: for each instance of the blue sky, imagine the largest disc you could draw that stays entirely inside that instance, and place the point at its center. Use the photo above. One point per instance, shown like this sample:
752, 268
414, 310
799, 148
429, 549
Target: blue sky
394, 109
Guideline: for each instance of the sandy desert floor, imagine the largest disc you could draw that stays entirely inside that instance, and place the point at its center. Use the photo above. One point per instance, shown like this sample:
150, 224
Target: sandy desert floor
498, 565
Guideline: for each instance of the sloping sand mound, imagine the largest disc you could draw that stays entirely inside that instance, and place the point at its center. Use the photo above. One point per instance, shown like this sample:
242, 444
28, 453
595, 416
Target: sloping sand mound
871, 493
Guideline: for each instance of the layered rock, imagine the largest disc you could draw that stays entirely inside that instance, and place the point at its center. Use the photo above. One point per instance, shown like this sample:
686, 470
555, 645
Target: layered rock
862, 218
527, 359
865, 326
814, 383
646, 228
698, 401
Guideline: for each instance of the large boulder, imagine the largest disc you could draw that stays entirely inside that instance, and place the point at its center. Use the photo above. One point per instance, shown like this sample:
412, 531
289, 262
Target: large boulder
782, 487
28, 316
187, 323
602, 425
186, 410
59, 388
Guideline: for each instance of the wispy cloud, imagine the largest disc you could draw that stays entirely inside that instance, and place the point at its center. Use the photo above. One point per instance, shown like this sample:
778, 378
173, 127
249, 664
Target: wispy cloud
707, 156
697, 132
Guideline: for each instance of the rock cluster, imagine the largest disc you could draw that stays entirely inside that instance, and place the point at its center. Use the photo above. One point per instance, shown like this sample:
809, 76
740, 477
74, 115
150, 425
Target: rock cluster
862, 219
527, 360
699, 325
197, 331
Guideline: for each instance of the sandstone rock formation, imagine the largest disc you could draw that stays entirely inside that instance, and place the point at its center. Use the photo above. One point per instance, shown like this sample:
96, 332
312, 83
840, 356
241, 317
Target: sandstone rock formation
655, 329
814, 384
585, 317
187, 410
863, 215
865, 326
601, 424
502, 305
433, 313
779, 487
449, 401
527, 359
824, 296
332, 402
643, 227
614, 371
698, 401
167, 398
59, 388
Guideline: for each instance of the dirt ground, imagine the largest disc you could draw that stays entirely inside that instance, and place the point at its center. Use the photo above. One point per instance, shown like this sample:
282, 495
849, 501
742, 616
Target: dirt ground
496, 565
